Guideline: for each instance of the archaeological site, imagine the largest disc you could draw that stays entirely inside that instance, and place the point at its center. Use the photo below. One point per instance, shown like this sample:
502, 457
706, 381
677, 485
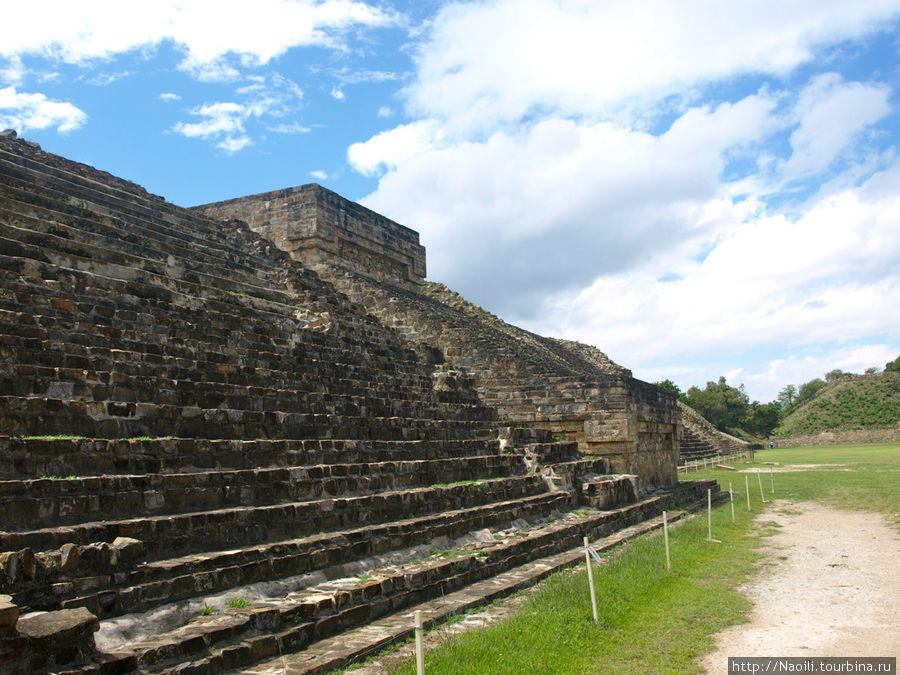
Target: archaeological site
251, 437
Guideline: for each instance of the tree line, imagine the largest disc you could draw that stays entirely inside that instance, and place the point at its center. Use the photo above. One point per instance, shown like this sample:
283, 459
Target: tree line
729, 408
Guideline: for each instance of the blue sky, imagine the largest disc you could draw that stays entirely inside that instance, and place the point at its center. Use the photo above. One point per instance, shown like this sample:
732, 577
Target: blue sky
697, 188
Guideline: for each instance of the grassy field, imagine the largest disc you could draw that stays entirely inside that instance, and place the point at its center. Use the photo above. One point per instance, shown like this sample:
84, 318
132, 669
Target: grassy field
654, 621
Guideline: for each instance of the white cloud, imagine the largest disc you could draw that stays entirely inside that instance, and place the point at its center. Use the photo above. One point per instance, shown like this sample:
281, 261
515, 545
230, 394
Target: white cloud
559, 201
318, 174
832, 114
104, 79
223, 122
13, 71
169, 96
233, 144
337, 94
270, 97
209, 32
487, 64
23, 111
385, 111
828, 277
292, 128
389, 149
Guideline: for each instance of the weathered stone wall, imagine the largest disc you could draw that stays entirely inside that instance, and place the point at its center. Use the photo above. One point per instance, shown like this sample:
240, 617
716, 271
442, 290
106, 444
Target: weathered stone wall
841, 438
321, 228
658, 430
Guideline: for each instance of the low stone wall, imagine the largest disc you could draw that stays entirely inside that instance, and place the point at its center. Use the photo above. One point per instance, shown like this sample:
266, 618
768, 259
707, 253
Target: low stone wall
841, 438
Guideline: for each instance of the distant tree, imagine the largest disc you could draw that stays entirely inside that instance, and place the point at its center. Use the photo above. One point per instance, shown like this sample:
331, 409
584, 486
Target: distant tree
723, 405
668, 384
836, 374
892, 366
786, 396
808, 390
762, 418
872, 370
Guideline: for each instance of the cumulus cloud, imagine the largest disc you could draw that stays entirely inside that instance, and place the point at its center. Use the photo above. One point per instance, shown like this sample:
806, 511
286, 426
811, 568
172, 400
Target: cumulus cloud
831, 115
23, 111
210, 33
562, 202
492, 63
225, 122
12, 70
828, 276
169, 96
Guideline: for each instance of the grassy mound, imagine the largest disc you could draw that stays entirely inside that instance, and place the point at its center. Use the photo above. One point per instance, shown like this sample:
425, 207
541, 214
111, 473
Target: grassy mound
869, 402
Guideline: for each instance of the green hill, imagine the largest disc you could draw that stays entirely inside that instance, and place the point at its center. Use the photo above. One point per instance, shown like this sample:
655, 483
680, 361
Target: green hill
864, 402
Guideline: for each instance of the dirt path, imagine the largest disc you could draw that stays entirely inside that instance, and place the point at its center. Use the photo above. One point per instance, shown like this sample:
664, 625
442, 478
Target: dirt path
829, 586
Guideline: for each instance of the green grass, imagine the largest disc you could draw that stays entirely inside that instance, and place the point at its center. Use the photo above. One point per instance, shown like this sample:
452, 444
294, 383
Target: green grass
652, 621
238, 603
856, 477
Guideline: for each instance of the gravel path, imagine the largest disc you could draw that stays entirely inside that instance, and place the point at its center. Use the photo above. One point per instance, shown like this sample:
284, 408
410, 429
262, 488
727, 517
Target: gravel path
828, 586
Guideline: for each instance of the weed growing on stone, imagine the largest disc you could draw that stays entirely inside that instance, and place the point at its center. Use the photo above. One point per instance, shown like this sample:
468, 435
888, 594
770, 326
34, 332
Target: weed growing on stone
238, 603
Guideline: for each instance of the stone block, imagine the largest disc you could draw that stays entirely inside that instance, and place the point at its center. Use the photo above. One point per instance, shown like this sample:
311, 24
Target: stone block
9, 615
60, 637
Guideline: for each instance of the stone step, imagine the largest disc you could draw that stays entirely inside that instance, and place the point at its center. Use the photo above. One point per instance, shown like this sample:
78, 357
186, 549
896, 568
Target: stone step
340, 651
568, 476
42, 416
230, 324
35, 457
185, 277
183, 532
298, 620
39, 175
48, 502
126, 233
610, 491
121, 385
31, 224
104, 580
105, 348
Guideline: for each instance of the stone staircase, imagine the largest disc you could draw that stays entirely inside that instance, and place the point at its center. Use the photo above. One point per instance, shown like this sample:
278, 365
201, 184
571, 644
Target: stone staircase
703, 441
212, 458
694, 447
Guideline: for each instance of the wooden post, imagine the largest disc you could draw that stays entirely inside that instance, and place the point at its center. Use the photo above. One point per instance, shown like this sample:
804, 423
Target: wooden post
420, 646
590, 570
761, 493
747, 490
666, 537
709, 513
772, 476
731, 500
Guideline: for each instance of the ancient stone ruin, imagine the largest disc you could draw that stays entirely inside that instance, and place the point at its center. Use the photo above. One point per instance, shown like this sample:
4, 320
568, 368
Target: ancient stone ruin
250, 436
